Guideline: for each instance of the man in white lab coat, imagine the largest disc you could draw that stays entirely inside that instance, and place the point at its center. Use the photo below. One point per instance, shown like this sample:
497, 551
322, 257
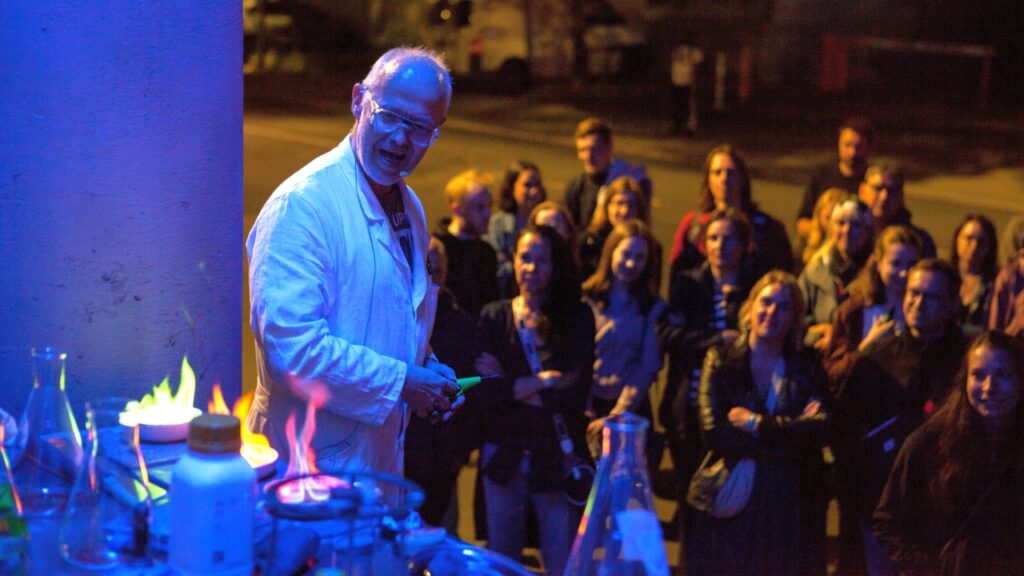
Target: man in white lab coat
341, 297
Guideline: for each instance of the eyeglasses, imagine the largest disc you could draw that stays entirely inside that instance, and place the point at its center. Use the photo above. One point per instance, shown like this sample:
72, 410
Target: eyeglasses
387, 121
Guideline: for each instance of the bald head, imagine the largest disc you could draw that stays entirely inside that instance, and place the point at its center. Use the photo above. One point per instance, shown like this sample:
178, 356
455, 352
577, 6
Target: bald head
422, 66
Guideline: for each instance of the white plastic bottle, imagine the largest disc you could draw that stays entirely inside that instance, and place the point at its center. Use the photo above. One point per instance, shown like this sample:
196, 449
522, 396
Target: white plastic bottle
213, 499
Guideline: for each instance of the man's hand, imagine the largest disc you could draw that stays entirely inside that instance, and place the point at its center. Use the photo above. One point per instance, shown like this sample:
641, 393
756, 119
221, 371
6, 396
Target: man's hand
435, 365
487, 364
594, 435
427, 389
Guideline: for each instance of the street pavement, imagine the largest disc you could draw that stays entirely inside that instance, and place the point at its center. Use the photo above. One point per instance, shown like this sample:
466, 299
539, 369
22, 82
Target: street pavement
782, 136
957, 161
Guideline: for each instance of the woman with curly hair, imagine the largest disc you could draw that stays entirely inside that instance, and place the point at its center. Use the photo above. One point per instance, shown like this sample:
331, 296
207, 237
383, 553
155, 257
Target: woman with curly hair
953, 504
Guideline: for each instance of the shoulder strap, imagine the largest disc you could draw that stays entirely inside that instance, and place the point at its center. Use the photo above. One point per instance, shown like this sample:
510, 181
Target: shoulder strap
528, 340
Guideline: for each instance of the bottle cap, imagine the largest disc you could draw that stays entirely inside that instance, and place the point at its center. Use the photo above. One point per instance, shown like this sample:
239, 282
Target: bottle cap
215, 434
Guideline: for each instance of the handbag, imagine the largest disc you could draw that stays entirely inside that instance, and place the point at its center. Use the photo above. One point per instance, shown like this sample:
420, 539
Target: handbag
719, 490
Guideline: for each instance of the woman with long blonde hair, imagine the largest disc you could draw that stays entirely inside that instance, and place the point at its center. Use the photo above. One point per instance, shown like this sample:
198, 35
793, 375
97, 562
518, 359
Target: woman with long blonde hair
761, 399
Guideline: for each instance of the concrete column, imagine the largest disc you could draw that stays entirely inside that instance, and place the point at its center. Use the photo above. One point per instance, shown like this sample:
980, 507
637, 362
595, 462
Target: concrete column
120, 193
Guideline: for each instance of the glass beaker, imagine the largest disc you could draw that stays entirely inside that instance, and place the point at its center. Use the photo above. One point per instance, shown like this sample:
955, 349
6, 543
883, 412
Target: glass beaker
96, 531
49, 446
620, 533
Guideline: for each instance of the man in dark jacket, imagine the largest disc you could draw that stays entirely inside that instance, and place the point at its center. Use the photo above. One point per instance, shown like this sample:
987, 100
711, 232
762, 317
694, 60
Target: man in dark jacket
882, 191
854, 145
594, 149
891, 389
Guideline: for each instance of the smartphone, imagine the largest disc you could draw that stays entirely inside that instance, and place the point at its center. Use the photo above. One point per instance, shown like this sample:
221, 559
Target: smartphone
889, 314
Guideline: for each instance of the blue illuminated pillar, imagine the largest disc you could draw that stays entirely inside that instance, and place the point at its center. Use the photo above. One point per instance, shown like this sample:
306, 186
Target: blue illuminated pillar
120, 193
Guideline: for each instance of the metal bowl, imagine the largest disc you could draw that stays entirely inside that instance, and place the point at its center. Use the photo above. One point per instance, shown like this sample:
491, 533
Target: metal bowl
265, 455
164, 433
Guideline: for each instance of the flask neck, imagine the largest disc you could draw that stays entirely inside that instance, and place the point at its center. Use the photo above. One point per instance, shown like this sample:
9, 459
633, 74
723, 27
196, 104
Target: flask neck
625, 437
91, 433
48, 368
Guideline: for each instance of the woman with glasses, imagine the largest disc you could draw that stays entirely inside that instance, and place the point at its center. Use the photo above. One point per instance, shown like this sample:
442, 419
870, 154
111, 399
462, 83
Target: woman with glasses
542, 343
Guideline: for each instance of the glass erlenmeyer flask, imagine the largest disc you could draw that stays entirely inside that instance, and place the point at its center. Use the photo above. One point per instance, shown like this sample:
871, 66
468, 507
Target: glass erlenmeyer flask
620, 534
49, 446
84, 540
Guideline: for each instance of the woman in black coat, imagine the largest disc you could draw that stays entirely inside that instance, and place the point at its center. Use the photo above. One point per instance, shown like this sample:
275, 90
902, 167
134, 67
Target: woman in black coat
954, 505
761, 398
542, 344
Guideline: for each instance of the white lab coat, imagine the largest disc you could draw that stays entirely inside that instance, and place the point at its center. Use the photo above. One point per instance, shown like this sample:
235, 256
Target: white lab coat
335, 305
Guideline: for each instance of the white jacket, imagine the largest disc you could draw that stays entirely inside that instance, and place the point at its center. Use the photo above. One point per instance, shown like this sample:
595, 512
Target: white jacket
334, 303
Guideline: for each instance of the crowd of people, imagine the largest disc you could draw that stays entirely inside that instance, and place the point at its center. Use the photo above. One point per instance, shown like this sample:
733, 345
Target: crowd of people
842, 363
840, 368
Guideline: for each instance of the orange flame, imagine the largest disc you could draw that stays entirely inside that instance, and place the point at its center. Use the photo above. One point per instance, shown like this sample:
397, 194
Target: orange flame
255, 447
217, 405
302, 461
241, 410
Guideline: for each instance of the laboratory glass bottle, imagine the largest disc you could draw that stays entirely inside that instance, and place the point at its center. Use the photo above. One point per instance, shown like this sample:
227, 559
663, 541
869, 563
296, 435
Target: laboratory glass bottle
91, 508
620, 534
48, 445
213, 500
